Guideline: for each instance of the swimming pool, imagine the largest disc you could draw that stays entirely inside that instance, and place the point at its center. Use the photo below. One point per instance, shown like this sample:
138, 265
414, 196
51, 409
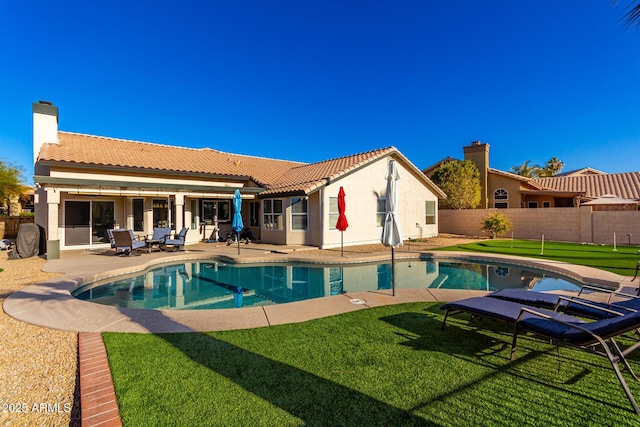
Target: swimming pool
198, 284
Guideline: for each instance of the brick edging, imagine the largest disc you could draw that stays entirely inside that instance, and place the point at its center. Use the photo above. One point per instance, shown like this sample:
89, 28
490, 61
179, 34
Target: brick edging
98, 405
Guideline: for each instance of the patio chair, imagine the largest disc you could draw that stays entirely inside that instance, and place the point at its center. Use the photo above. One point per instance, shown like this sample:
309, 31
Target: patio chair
112, 241
177, 242
158, 237
577, 305
596, 337
159, 234
126, 242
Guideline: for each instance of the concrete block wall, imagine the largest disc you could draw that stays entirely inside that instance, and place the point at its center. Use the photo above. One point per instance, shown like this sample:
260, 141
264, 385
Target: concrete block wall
559, 224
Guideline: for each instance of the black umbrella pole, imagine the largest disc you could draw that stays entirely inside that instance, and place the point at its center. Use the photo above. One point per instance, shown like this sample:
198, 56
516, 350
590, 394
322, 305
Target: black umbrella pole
238, 239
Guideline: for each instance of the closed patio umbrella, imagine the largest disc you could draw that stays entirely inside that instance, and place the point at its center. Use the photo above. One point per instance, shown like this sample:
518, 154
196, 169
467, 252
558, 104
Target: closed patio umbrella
391, 232
342, 223
237, 224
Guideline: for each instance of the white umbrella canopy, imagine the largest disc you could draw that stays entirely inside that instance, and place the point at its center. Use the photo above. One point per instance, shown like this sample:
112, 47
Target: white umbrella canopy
392, 232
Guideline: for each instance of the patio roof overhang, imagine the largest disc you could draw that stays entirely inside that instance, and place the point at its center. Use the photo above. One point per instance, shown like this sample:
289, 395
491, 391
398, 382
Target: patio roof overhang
133, 188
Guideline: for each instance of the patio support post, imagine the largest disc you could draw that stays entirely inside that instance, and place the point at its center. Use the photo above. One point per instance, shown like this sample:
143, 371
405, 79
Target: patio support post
179, 211
53, 238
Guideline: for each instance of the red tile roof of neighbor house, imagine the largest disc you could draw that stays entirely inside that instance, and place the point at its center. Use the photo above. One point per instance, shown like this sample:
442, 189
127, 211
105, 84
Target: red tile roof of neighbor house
279, 177
625, 185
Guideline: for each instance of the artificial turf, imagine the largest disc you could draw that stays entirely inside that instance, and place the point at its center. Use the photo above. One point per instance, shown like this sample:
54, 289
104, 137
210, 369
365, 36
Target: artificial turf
622, 260
384, 366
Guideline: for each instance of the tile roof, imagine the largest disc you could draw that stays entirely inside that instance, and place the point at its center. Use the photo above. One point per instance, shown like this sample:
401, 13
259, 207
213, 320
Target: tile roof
90, 150
279, 177
306, 178
583, 171
625, 185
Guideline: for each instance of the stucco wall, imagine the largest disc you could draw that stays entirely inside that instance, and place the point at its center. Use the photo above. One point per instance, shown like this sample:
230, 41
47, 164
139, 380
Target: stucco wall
362, 189
559, 224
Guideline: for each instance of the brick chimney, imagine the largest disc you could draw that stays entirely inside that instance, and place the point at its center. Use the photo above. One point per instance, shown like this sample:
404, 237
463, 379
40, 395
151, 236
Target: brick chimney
45, 126
478, 153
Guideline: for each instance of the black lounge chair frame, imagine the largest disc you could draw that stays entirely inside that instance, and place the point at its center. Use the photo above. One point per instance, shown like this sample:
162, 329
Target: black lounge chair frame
587, 341
531, 319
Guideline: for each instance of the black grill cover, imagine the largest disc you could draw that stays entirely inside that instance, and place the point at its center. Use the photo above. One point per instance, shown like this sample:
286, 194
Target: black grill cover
28, 242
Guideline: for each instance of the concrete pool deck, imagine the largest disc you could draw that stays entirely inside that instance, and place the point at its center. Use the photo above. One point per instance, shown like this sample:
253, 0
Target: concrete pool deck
50, 304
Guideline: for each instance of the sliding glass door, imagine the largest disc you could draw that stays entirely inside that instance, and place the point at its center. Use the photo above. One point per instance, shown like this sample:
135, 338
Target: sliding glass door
87, 222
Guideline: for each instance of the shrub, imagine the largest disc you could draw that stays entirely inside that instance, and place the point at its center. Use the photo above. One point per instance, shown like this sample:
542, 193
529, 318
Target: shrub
496, 224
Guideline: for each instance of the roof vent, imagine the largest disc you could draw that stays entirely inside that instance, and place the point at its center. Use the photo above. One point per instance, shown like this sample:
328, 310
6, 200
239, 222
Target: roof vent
45, 102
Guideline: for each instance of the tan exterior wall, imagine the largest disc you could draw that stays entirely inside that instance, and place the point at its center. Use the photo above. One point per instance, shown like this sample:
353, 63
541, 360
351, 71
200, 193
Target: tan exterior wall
511, 185
559, 224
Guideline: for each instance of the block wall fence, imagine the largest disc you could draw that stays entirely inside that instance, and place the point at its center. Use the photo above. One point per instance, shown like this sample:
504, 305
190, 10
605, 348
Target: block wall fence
581, 225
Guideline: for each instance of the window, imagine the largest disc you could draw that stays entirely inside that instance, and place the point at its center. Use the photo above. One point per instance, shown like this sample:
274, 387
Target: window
333, 212
211, 208
532, 205
500, 205
254, 214
272, 214
194, 214
138, 214
500, 194
161, 213
546, 204
299, 213
430, 212
381, 212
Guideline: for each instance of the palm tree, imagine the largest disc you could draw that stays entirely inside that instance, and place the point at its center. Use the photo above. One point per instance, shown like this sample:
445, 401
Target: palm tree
526, 170
552, 167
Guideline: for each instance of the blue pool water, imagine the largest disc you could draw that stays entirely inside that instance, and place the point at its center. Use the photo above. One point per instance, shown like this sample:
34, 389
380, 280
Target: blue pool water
211, 284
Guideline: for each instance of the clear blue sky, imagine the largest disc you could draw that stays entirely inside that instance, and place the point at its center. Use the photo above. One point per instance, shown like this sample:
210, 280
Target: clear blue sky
308, 81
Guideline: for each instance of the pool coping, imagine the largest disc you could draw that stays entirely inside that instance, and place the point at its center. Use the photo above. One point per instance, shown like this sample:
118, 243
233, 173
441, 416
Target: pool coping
50, 304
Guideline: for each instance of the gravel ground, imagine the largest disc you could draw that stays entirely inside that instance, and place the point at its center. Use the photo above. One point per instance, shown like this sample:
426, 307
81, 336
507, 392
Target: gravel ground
38, 366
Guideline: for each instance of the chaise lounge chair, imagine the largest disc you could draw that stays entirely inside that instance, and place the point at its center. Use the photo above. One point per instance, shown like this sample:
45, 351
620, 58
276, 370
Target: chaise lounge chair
125, 241
177, 242
569, 304
560, 327
596, 337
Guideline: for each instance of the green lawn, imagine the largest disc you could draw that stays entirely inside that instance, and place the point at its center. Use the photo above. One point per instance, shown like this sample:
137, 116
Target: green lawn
384, 366
621, 261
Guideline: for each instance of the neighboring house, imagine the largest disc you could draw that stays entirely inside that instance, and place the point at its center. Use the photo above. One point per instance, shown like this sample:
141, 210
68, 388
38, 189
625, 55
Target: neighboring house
507, 190
596, 185
87, 184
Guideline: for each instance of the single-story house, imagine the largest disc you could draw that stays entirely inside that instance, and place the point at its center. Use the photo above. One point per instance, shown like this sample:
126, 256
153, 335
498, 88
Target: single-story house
87, 184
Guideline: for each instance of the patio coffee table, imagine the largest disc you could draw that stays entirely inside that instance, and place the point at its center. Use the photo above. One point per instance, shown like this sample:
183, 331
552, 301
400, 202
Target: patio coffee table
151, 243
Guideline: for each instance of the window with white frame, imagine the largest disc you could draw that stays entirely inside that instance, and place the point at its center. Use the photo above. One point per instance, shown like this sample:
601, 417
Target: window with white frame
532, 205
381, 211
137, 208
272, 214
430, 212
299, 213
333, 213
502, 195
254, 214
211, 208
